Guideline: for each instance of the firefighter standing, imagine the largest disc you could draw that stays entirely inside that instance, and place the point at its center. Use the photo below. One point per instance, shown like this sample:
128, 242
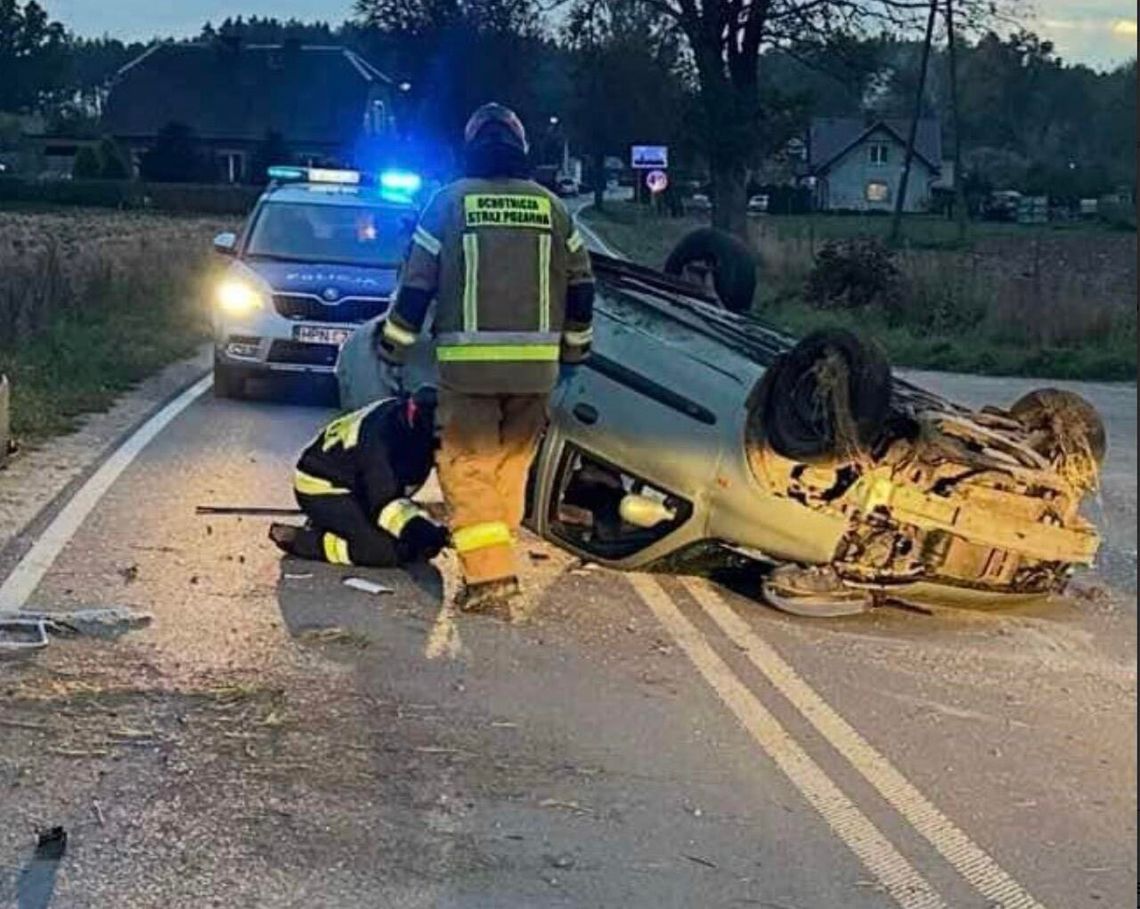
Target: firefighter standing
353, 483
515, 296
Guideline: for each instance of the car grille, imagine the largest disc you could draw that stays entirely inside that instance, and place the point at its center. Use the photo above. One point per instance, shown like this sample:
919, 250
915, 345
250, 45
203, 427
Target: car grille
303, 354
314, 309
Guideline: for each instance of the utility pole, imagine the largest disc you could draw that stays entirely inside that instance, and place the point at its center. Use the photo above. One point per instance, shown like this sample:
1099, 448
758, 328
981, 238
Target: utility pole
960, 213
900, 201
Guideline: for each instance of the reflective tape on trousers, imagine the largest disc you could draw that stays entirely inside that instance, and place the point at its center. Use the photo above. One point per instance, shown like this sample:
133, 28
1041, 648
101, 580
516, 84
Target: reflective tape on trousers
314, 486
481, 536
395, 515
336, 549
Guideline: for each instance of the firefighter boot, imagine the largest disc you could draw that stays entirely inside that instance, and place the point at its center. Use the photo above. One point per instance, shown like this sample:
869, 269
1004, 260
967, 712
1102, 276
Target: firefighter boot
489, 596
303, 542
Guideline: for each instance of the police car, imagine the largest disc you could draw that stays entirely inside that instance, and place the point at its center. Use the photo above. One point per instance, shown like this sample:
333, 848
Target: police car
319, 255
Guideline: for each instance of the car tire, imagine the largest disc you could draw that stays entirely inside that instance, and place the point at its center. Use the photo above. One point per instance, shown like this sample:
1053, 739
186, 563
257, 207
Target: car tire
731, 262
806, 417
1066, 419
228, 382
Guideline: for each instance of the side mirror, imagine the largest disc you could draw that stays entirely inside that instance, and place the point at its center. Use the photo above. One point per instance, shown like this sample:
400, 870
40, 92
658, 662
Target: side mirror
226, 244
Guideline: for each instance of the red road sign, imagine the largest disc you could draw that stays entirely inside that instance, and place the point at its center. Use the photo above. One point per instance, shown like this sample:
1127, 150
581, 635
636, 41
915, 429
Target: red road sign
657, 181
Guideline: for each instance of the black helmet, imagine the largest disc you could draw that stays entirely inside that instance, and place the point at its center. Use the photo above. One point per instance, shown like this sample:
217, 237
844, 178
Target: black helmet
496, 124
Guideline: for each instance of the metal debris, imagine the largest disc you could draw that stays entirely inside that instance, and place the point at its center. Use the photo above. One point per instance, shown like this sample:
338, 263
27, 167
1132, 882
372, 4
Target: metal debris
367, 586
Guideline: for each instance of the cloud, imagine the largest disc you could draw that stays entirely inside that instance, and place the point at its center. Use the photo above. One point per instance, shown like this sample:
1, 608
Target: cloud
1125, 28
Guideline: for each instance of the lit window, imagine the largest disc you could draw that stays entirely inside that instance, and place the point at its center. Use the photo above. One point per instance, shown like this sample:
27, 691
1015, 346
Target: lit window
878, 191
878, 153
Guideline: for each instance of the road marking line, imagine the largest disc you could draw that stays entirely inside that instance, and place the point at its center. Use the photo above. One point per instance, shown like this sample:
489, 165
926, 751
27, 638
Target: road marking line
26, 576
591, 235
968, 858
909, 889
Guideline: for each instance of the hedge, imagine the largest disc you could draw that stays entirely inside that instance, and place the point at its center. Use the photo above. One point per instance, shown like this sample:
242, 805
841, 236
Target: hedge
215, 199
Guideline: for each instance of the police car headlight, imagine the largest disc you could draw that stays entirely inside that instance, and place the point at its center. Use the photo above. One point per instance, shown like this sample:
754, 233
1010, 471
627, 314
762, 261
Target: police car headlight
237, 298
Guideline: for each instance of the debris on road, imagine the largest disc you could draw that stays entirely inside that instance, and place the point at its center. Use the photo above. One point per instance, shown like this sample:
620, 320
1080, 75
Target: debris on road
107, 622
335, 635
130, 573
302, 576
367, 586
249, 511
22, 635
37, 880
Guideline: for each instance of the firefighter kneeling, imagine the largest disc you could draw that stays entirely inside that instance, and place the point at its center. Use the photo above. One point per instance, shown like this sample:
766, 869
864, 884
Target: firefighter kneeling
353, 482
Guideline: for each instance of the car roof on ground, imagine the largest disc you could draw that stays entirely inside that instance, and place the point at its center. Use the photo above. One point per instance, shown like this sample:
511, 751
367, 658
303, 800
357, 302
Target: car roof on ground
335, 194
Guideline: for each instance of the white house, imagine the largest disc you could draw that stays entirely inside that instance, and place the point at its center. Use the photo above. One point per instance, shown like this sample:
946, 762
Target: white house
856, 164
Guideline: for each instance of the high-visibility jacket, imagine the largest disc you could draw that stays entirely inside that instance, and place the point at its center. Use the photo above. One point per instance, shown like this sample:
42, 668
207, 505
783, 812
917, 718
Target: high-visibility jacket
373, 455
512, 281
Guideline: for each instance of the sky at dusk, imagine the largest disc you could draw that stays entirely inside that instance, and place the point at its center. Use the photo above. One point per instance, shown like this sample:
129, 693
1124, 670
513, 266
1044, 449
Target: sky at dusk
1097, 32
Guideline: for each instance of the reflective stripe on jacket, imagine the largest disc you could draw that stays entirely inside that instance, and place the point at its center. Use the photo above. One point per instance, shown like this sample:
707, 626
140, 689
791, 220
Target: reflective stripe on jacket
513, 282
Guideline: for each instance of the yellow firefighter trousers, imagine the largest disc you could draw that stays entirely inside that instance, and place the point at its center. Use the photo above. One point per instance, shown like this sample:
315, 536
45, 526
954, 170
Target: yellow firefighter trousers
486, 445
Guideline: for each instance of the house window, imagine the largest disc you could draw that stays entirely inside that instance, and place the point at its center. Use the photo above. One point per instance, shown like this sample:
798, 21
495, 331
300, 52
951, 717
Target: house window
878, 191
878, 153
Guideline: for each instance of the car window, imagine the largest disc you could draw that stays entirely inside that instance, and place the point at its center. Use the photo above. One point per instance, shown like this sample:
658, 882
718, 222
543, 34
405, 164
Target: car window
341, 234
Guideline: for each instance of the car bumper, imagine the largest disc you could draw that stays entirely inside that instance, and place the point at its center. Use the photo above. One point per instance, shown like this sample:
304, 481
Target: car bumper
266, 342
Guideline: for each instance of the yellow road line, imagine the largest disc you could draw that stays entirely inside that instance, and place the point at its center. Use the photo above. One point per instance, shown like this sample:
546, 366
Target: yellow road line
967, 857
897, 876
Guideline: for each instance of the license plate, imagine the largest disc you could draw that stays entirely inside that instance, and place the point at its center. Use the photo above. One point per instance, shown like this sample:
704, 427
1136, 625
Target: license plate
320, 334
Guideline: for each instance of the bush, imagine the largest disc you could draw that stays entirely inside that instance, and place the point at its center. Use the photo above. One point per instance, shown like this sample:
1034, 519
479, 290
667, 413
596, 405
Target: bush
113, 161
87, 165
855, 274
213, 199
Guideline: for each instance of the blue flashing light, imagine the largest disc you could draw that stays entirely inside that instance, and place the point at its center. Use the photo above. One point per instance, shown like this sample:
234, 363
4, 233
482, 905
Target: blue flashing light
400, 182
282, 172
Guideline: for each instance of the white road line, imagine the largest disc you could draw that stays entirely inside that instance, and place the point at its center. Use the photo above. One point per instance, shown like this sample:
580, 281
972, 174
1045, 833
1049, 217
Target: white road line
909, 889
26, 576
968, 858
594, 240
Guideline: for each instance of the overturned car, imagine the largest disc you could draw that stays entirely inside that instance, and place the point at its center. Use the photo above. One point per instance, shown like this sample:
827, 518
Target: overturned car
693, 426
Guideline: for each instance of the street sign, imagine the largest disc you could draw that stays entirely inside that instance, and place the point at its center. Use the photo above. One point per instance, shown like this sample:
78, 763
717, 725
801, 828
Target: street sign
649, 157
657, 181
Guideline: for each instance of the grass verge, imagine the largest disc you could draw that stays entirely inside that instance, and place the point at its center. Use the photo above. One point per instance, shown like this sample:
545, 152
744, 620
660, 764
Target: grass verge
91, 303
1015, 302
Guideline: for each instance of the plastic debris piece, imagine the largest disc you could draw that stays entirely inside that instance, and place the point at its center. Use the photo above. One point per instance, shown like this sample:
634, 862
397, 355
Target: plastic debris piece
303, 576
367, 586
96, 622
22, 634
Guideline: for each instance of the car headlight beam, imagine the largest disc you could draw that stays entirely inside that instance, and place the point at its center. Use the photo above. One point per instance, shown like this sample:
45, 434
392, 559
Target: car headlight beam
237, 298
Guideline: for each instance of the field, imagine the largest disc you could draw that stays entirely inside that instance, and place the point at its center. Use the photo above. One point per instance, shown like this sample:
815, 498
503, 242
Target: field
1042, 301
93, 301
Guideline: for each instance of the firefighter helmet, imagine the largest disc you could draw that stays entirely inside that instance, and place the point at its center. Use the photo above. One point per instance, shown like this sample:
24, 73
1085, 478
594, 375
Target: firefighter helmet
496, 123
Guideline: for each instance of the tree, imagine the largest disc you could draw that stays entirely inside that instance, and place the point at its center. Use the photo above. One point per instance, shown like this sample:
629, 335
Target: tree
32, 55
627, 86
113, 163
87, 165
458, 54
726, 39
175, 157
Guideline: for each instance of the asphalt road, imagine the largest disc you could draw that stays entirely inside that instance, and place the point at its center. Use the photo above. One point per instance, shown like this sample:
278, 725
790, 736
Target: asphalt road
631, 741
276, 739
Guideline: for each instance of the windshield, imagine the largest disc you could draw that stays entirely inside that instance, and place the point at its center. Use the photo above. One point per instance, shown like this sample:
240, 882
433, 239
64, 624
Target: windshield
340, 234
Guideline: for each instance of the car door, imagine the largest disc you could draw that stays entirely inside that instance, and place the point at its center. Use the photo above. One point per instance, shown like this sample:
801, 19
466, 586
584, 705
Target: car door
640, 419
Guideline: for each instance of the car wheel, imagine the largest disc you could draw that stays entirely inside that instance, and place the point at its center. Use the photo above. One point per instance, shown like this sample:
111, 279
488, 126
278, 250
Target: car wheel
1069, 425
728, 260
826, 398
228, 382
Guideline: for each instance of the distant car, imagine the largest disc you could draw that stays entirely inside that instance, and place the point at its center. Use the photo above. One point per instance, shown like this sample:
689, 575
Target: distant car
758, 205
693, 430
700, 202
566, 186
318, 256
